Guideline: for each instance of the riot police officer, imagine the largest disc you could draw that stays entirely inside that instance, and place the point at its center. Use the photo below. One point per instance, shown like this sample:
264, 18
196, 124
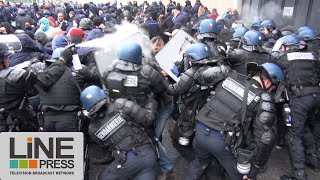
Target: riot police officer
121, 126
303, 85
223, 124
310, 36
271, 34
192, 95
59, 95
16, 84
208, 34
235, 42
128, 77
250, 51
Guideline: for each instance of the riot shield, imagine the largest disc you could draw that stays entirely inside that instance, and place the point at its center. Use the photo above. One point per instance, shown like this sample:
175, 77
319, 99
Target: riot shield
9, 42
173, 51
110, 42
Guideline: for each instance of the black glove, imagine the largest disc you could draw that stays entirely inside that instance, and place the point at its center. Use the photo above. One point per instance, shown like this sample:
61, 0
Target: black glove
253, 172
85, 72
66, 57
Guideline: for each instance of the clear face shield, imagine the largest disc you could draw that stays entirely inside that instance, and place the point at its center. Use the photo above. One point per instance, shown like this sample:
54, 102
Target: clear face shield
11, 42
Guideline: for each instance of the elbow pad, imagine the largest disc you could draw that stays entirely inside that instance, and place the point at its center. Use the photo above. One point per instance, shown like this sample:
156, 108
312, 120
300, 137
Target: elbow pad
264, 129
155, 78
214, 74
184, 83
133, 110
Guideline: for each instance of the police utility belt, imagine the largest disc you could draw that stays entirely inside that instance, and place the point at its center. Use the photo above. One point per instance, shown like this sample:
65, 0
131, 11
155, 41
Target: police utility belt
305, 90
230, 137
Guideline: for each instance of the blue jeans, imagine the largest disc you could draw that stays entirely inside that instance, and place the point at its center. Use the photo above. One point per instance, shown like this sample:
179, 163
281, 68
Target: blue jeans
163, 116
208, 143
301, 108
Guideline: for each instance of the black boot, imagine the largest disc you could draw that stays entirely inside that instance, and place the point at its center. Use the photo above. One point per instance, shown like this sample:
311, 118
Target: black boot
312, 162
298, 174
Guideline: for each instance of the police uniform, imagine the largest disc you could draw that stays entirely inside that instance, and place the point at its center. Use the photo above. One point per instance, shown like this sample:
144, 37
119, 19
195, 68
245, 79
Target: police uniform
121, 127
193, 93
238, 58
15, 83
220, 131
133, 81
60, 98
303, 84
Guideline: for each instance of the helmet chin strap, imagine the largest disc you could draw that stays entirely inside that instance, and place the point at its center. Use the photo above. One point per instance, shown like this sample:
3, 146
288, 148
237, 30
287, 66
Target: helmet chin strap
263, 84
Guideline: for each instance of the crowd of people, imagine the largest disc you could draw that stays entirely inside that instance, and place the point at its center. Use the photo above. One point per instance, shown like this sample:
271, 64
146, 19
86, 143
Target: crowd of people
242, 90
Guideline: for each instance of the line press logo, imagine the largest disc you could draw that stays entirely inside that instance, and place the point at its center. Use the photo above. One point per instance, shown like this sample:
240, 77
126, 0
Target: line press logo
42, 155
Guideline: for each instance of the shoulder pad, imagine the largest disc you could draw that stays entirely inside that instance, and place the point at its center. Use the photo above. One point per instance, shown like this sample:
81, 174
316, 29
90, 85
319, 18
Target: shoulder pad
266, 97
12, 74
150, 73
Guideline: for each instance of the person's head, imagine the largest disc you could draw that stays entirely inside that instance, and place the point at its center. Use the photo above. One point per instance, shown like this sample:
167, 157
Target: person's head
76, 35
201, 10
157, 44
214, 10
4, 58
27, 24
269, 75
267, 26
41, 37
44, 24
253, 38
255, 24
85, 24
2, 4
131, 52
60, 17
240, 32
72, 14
93, 98
208, 29
288, 43
307, 35
196, 53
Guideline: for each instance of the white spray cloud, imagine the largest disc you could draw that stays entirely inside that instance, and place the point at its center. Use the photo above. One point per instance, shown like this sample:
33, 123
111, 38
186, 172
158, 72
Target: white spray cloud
125, 32
270, 10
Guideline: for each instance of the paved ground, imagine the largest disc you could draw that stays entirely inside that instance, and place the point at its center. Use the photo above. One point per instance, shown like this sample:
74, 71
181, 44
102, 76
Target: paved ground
278, 164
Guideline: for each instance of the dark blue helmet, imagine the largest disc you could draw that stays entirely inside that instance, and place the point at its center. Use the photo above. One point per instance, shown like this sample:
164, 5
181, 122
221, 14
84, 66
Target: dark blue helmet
268, 24
240, 31
130, 51
256, 24
198, 51
253, 38
275, 72
307, 34
305, 28
91, 97
290, 40
208, 26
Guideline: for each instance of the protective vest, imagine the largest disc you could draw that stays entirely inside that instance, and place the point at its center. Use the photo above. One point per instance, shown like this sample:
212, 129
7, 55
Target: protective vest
223, 110
116, 132
303, 71
11, 91
239, 57
63, 92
